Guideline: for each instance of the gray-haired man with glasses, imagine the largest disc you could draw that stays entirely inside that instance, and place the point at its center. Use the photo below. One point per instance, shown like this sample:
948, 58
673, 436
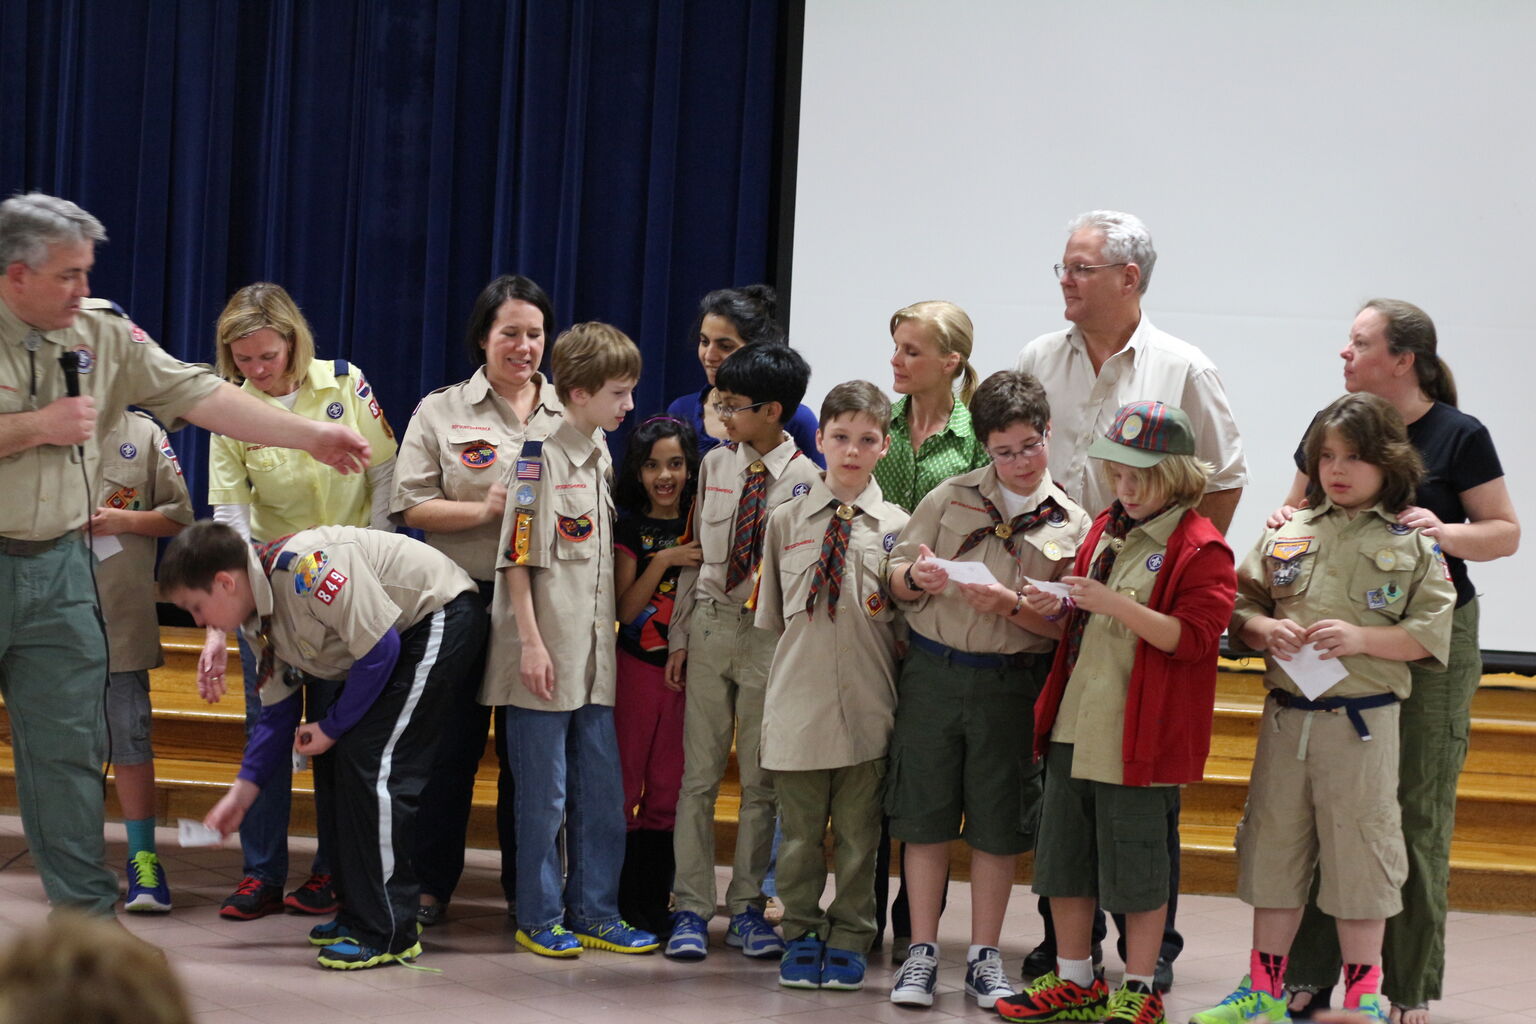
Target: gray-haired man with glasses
1112, 355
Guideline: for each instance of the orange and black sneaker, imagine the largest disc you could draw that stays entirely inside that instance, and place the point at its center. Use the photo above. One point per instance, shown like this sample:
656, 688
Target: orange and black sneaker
1135, 1003
251, 899
315, 896
1052, 998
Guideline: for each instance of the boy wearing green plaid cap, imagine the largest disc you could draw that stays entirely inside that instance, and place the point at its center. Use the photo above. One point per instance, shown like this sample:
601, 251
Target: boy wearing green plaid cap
1125, 716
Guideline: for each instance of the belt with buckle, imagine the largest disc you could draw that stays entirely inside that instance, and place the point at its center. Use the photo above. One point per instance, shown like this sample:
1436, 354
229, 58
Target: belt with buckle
1351, 706
28, 548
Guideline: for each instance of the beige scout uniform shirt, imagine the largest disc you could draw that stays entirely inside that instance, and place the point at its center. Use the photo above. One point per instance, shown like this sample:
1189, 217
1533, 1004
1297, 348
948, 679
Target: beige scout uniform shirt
564, 534
1092, 713
461, 439
46, 494
831, 697
288, 489
1368, 570
140, 473
722, 475
944, 518
1152, 365
346, 588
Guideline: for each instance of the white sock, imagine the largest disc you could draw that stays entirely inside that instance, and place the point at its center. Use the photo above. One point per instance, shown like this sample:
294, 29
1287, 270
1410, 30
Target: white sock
1145, 979
1079, 972
974, 953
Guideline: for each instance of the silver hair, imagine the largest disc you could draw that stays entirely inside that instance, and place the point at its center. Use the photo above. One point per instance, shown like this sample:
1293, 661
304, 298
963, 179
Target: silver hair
31, 224
1126, 239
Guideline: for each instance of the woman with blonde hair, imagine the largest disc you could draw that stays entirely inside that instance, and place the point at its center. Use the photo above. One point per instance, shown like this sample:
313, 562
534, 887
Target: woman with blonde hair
266, 346
931, 435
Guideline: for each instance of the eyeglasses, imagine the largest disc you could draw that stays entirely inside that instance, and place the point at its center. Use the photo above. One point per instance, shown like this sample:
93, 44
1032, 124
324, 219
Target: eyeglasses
1081, 269
726, 412
1029, 451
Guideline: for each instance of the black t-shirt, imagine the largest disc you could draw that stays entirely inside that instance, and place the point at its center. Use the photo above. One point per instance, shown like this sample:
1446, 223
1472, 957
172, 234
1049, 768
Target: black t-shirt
641, 537
1458, 455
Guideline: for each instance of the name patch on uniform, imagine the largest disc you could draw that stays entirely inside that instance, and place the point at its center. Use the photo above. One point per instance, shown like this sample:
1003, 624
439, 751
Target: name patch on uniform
334, 410
1400, 528
525, 495
799, 489
798, 544
128, 450
1290, 547
478, 455
170, 453
330, 587
570, 487
529, 469
875, 603
87, 358
719, 490
575, 528
888, 542
973, 508
1154, 562
308, 570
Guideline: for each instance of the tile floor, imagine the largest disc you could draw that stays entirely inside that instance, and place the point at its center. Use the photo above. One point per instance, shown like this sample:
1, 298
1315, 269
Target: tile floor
264, 970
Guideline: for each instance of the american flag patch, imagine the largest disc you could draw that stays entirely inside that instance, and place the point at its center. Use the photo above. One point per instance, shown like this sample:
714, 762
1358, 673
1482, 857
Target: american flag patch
529, 469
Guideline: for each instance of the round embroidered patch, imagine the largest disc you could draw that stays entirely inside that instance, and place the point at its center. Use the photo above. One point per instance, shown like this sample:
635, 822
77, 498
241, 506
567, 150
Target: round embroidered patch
478, 455
577, 528
334, 410
87, 359
888, 542
1400, 529
800, 489
525, 495
127, 450
1155, 562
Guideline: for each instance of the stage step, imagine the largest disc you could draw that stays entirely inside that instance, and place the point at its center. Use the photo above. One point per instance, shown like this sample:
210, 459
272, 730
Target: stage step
198, 747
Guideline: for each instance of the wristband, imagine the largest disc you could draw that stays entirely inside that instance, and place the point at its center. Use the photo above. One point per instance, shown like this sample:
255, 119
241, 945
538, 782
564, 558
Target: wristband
908, 580
1067, 604
1017, 605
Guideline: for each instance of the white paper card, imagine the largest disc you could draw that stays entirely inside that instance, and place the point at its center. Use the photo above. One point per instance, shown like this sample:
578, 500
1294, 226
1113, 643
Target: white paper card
195, 833
966, 572
105, 547
1311, 673
1060, 590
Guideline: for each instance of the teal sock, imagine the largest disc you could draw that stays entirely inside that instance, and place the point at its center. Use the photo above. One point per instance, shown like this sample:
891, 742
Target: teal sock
141, 835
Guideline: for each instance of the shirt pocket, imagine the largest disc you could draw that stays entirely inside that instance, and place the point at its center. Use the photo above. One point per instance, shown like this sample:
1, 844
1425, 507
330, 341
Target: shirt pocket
1379, 584
576, 527
472, 460
1290, 578
871, 590
717, 525
797, 569
267, 461
120, 490
955, 525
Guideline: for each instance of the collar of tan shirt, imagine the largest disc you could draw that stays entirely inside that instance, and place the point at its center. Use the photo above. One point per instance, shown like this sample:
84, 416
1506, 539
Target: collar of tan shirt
775, 461
821, 499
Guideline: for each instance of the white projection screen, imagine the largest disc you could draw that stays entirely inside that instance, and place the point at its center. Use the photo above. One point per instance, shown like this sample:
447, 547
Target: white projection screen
1291, 159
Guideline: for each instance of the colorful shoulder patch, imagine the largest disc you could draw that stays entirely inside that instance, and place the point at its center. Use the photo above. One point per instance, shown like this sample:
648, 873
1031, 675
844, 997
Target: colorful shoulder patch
330, 587
522, 536
307, 572
170, 453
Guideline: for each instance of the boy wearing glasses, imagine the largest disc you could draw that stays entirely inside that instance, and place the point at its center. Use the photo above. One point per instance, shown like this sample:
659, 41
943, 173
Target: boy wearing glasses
977, 660
831, 695
724, 656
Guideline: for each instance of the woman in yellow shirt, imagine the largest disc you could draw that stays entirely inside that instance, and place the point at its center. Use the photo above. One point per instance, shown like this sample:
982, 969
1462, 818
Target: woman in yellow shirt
266, 493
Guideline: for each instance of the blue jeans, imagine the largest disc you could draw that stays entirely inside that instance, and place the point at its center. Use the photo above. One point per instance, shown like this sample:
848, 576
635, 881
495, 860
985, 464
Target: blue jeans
264, 829
567, 767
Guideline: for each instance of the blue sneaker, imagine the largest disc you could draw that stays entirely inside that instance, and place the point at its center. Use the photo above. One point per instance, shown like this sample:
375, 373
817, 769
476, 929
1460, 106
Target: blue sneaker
552, 941
753, 935
148, 891
690, 937
350, 955
843, 970
800, 967
328, 933
617, 937
985, 979
1370, 1008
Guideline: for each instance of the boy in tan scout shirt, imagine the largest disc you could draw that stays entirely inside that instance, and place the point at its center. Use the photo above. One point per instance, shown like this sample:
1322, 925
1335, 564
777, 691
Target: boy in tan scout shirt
383, 624
977, 659
725, 656
144, 496
1346, 579
553, 662
831, 696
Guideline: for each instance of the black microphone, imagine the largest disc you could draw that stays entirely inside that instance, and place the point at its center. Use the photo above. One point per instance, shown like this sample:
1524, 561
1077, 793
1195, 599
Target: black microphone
70, 361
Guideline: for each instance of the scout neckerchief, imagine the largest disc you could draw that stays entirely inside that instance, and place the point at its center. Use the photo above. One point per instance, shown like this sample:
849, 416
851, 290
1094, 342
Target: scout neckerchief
267, 553
747, 544
1119, 525
1007, 530
834, 550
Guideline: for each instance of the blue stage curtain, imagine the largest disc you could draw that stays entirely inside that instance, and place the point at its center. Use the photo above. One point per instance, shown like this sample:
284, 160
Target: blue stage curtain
383, 160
